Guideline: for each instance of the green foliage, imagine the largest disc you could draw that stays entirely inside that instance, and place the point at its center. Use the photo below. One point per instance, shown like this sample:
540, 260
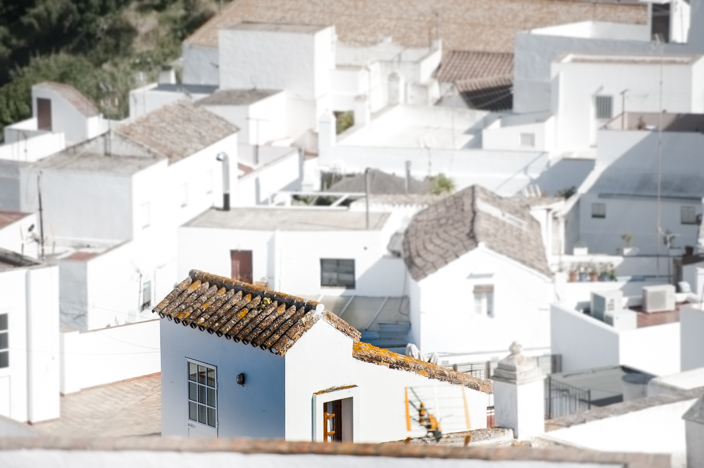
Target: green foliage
344, 121
89, 44
566, 192
442, 184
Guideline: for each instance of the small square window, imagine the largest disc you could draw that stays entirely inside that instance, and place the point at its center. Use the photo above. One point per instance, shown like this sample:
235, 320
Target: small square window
598, 210
688, 215
528, 140
337, 273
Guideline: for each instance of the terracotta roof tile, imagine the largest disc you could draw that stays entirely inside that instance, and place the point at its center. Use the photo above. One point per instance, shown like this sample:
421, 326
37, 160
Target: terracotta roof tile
455, 225
244, 312
177, 130
467, 65
466, 25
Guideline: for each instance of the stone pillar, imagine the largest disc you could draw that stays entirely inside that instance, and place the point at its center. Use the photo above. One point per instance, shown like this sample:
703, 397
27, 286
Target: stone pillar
694, 434
519, 398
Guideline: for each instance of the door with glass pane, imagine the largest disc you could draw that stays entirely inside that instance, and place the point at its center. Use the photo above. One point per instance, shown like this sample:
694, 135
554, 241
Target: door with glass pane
202, 399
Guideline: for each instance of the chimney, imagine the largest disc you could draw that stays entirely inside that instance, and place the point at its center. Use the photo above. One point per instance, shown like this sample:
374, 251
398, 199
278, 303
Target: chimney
167, 75
225, 159
694, 434
519, 394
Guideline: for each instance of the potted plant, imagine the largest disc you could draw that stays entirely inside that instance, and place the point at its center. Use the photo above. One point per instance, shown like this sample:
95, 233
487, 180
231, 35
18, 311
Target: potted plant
604, 273
574, 275
593, 273
580, 249
627, 238
583, 275
612, 272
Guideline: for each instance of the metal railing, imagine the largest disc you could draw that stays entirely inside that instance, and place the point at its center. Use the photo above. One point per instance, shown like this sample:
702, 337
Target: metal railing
562, 399
548, 363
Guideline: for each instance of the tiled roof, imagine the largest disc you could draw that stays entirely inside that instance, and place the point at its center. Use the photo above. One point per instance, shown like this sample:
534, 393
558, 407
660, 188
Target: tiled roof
466, 65
492, 94
249, 314
177, 130
464, 25
84, 105
245, 313
455, 225
383, 357
380, 183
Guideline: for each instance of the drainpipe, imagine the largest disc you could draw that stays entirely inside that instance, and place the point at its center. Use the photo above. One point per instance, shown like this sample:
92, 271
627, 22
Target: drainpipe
225, 159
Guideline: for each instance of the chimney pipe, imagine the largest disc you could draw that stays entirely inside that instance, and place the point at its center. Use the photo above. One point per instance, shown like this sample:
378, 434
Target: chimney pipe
225, 159
408, 176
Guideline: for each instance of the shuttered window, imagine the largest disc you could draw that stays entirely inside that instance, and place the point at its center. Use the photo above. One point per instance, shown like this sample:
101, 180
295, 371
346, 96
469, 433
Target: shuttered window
604, 107
484, 300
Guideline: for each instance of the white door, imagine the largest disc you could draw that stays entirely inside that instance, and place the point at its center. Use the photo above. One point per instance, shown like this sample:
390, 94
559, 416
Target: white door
202, 399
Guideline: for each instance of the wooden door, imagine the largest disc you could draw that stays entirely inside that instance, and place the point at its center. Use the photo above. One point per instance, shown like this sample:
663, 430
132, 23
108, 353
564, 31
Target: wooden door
241, 262
44, 114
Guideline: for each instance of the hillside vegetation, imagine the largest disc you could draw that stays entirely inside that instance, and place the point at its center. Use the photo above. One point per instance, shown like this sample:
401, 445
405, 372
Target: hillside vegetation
101, 47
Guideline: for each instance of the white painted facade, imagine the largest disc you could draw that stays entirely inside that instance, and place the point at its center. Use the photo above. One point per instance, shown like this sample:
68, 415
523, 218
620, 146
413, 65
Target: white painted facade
152, 96
443, 315
692, 348
587, 343
17, 237
277, 398
29, 386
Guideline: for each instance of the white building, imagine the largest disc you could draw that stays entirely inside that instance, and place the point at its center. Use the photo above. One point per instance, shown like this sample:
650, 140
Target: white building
478, 276
29, 338
289, 389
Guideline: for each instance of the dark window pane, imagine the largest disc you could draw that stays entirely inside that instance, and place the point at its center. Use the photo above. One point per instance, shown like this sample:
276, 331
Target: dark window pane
335, 272
211, 397
201, 375
211, 377
201, 394
4, 359
192, 411
3, 322
4, 341
192, 391
201, 414
211, 417
192, 372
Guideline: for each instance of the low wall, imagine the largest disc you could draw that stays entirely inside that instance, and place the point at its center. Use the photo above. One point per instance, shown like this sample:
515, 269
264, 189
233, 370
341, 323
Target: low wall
109, 355
34, 148
692, 344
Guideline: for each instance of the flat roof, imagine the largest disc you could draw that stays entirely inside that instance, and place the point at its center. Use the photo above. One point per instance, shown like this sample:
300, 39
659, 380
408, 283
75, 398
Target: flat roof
654, 59
650, 121
288, 219
236, 97
273, 27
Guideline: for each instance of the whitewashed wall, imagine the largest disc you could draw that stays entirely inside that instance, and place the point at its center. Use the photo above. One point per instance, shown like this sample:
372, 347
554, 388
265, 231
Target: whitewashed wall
200, 65
29, 386
447, 320
259, 186
381, 400
260, 122
508, 137
108, 355
15, 236
290, 260
587, 343
33, 148
66, 118
692, 345
256, 410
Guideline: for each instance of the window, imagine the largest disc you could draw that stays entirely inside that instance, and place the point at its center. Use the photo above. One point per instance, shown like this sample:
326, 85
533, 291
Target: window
145, 215
528, 139
337, 273
146, 295
598, 210
688, 215
184, 195
44, 114
484, 300
332, 421
202, 394
604, 107
4, 342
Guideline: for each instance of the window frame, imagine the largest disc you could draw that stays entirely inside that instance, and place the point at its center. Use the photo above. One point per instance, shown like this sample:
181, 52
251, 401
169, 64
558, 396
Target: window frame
325, 281
528, 140
146, 302
5, 332
596, 214
206, 395
484, 300
685, 219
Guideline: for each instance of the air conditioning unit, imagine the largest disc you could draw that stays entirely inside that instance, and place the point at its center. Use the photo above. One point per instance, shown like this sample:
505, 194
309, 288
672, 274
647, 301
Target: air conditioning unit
659, 298
605, 301
623, 319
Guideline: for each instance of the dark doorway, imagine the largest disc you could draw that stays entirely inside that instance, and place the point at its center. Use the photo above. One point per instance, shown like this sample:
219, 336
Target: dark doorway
241, 262
332, 421
44, 114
